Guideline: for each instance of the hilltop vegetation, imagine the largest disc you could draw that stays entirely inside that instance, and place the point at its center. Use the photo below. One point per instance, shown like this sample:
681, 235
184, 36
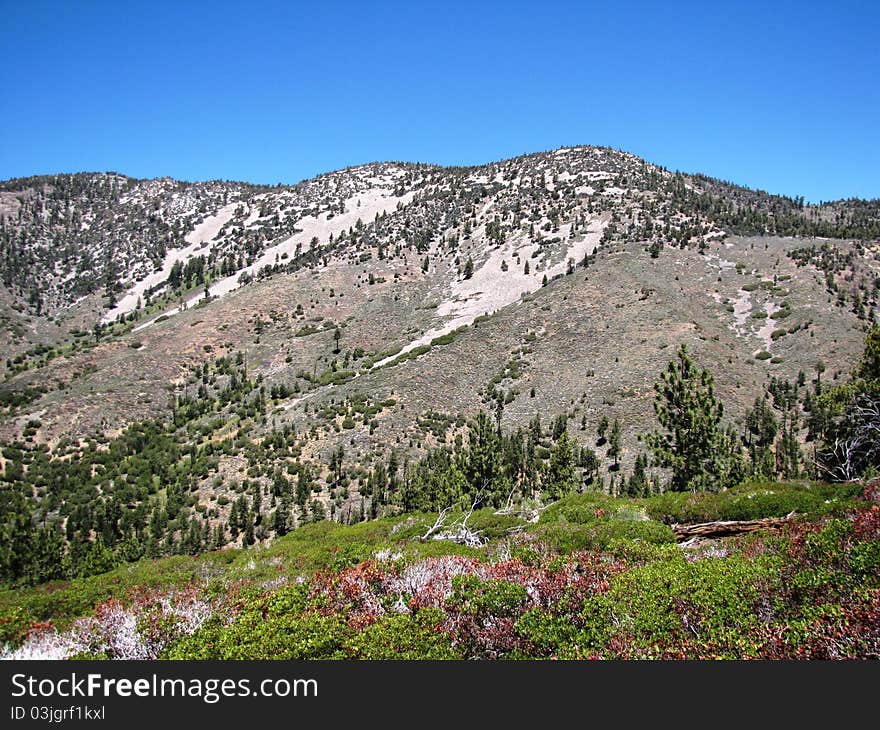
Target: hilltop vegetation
594, 576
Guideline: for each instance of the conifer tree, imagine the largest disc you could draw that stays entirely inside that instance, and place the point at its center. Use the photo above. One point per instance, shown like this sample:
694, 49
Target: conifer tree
761, 429
693, 443
480, 465
561, 475
614, 447
602, 430
638, 485
845, 419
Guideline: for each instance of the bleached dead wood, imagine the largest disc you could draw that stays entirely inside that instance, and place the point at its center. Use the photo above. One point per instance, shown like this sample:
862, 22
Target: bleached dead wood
726, 528
441, 520
457, 532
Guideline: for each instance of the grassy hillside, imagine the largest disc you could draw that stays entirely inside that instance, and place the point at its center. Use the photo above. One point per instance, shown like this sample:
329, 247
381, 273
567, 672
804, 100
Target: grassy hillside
589, 576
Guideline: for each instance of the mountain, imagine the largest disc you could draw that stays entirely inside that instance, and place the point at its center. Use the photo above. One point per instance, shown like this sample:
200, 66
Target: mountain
193, 365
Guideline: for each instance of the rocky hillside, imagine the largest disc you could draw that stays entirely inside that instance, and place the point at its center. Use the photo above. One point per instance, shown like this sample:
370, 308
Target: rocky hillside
223, 362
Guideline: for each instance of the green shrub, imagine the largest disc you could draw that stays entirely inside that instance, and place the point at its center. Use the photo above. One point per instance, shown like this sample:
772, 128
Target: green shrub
604, 533
276, 627
405, 637
578, 509
492, 526
14, 624
751, 502
547, 633
758, 505
683, 507
711, 602
307, 330
495, 598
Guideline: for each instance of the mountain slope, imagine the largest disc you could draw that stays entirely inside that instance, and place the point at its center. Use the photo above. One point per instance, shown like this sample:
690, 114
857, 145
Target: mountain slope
299, 349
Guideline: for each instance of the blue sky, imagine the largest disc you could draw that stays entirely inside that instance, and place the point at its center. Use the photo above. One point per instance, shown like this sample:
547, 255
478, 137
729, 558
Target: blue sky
781, 96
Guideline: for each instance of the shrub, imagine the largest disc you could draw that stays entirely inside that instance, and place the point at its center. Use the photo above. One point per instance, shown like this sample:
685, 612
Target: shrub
284, 636
714, 604
547, 634
492, 526
577, 508
404, 636
603, 534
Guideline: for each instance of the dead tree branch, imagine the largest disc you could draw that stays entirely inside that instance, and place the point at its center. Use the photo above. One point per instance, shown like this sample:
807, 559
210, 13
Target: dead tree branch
441, 520
727, 528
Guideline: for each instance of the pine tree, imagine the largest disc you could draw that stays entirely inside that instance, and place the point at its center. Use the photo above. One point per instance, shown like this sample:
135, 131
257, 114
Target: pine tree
788, 451
845, 419
561, 475
280, 521
481, 466
614, 448
693, 445
637, 486
248, 538
601, 430
761, 429
589, 463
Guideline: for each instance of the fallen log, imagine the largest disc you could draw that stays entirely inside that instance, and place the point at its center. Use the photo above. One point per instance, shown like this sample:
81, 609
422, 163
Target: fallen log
726, 528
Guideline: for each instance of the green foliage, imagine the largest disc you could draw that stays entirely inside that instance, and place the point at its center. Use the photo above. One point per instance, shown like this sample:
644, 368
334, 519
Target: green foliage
15, 622
486, 598
492, 526
284, 636
61, 601
561, 476
548, 634
713, 601
404, 637
845, 419
752, 502
654, 601
581, 524
701, 455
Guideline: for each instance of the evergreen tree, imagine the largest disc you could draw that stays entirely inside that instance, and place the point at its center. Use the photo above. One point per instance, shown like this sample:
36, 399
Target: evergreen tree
589, 464
845, 419
693, 444
602, 430
638, 485
614, 445
788, 451
480, 459
761, 429
248, 538
561, 475
280, 519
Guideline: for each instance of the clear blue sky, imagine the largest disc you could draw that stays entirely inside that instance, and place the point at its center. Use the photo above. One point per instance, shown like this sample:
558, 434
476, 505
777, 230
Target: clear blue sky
777, 95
